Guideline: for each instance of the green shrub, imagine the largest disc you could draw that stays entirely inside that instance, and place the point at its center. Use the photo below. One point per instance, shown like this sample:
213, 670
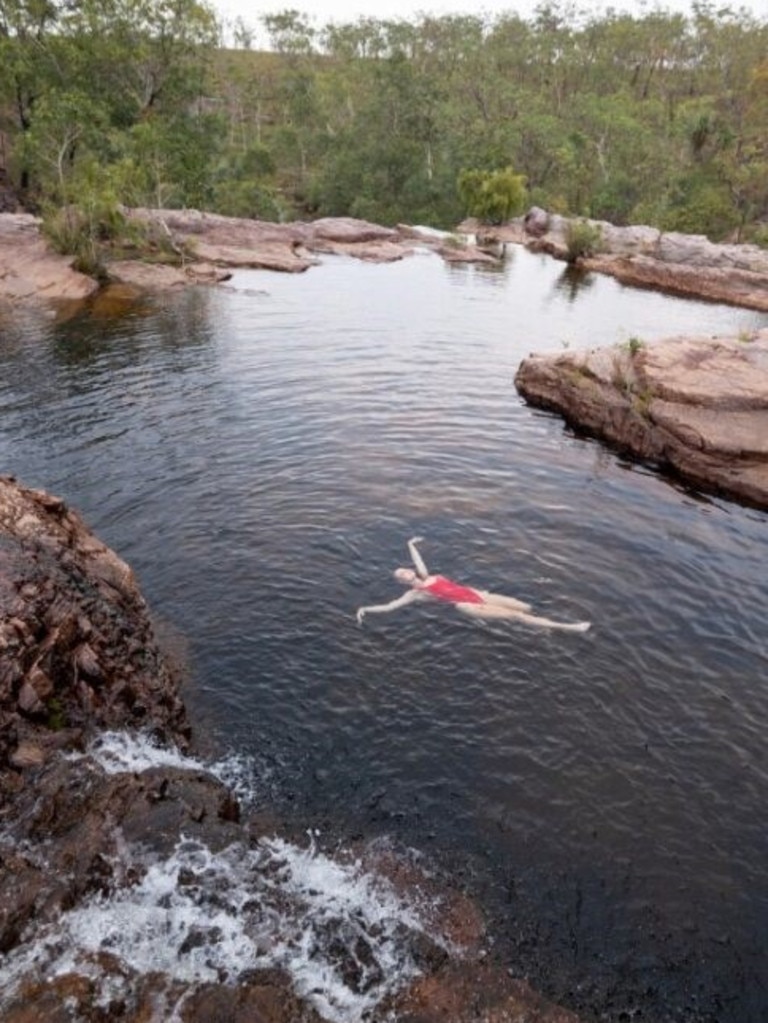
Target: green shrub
702, 208
582, 239
247, 199
492, 196
70, 233
634, 345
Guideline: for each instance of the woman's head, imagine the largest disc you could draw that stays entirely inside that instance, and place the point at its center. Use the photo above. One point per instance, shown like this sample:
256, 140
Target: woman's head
406, 576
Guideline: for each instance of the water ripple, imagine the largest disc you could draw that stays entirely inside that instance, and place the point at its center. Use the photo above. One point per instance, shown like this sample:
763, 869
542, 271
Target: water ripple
261, 459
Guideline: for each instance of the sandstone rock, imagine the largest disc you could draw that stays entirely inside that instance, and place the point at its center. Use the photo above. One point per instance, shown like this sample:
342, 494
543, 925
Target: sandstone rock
536, 222
30, 269
642, 256
146, 276
280, 256
466, 254
730, 285
349, 230
287, 248
470, 993
699, 407
28, 754
694, 250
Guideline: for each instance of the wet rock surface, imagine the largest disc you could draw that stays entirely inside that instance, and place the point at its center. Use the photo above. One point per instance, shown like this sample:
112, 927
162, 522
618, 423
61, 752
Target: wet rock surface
696, 406
96, 859
76, 643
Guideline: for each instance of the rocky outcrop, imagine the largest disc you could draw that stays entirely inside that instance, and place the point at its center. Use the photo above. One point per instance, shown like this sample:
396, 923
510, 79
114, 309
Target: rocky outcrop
294, 247
696, 406
30, 269
104, 834
77, 651
680, 264
204, 248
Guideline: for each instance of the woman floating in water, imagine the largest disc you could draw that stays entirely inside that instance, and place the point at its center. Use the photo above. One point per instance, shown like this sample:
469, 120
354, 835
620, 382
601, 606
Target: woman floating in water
477, 603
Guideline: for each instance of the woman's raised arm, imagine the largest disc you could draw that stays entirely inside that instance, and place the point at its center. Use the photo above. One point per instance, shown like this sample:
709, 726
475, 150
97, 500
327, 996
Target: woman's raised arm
416, 558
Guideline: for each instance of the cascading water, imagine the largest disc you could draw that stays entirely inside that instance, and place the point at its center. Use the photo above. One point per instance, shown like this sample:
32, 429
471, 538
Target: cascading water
341, 932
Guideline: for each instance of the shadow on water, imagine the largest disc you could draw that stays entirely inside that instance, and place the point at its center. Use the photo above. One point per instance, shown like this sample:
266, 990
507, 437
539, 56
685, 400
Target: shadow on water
261, 458
115, 326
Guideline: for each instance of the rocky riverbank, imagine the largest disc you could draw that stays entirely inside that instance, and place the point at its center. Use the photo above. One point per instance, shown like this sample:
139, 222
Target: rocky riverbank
140, 883
645, 257
698, 407
204, 248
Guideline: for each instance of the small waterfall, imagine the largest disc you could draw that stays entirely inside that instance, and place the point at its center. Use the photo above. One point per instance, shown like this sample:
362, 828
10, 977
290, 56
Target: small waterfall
342, 933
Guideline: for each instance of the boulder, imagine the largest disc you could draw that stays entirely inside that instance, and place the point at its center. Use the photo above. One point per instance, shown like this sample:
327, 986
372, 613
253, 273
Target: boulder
536, 222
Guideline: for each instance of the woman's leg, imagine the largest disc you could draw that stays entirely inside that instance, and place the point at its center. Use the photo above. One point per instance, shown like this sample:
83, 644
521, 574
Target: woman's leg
499, 600
499, 611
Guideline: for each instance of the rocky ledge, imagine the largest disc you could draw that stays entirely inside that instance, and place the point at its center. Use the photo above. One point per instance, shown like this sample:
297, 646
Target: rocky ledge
151, 891
698, 407
645, 257
77, 646
203, 248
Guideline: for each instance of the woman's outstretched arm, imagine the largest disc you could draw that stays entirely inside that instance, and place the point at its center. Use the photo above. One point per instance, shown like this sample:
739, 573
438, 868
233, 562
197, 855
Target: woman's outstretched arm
407, 598
416, 558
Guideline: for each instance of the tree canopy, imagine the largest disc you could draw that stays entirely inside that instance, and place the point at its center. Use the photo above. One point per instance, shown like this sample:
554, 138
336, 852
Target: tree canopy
656, 117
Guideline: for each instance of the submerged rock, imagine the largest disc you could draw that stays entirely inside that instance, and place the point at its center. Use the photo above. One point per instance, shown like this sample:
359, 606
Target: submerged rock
696, 406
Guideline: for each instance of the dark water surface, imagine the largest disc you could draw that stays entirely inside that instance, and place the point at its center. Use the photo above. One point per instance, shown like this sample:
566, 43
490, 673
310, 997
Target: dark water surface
261, 455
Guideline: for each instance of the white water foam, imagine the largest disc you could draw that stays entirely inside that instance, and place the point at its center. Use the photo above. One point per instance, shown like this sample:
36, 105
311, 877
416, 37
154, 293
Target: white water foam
344, 935
126, 753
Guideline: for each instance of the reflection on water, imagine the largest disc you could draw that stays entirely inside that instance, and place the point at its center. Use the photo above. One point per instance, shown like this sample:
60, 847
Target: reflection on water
573, 280
261, 454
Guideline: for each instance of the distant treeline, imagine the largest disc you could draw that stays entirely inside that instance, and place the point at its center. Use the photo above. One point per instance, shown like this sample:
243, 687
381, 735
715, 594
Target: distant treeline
656, 118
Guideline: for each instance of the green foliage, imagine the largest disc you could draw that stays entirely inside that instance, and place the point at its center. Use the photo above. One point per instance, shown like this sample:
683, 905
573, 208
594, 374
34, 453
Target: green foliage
56, 718
701, 206
72, 232
492, 196
650, 117
247, 199
758, 235
635, 345
582, 239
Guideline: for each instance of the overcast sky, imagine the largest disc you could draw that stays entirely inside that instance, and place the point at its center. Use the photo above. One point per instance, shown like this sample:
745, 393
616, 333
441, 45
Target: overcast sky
323, 11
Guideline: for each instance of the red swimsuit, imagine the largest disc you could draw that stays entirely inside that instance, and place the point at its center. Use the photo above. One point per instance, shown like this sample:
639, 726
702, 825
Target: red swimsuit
454, 593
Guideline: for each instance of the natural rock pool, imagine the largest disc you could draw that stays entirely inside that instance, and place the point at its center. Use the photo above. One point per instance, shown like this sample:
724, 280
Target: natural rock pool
260, 455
